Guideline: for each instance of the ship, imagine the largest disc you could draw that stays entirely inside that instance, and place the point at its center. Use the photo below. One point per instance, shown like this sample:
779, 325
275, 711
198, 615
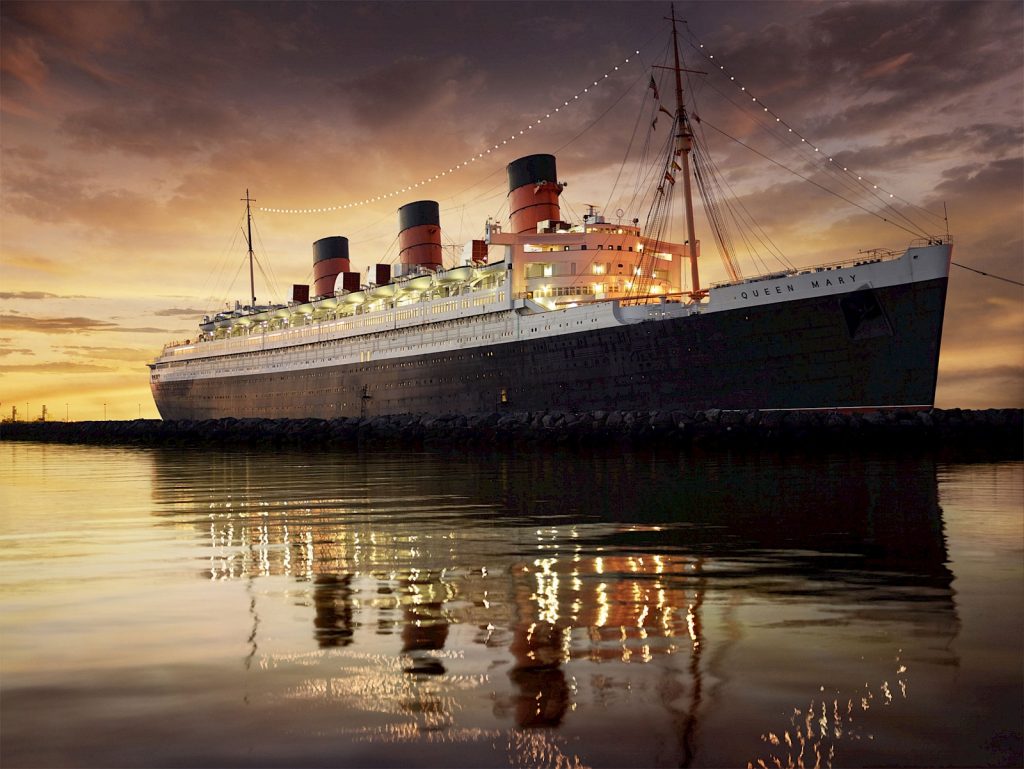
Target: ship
547, 314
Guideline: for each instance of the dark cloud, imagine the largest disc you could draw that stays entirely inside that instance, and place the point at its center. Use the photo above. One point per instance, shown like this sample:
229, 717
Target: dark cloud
74, 325
188, 312
1014, 373
15, 351
47, 46
128, 354
164, 127
1001, 176
411, 87
987, 139
151, 330
986, 200
54, 325
25, 152
60, 196
26, 295
38, 295
878, 62
984, 387
54, 368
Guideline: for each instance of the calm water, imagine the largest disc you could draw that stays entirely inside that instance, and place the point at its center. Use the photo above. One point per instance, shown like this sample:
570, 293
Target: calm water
175, 609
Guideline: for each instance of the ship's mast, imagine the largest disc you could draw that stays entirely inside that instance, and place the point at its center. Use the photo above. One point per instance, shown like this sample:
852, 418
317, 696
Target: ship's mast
248, 240
684, 143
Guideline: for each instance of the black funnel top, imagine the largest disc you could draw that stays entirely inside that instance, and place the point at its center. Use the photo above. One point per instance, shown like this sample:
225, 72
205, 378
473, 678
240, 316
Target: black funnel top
334, 247
530, 170
420, 212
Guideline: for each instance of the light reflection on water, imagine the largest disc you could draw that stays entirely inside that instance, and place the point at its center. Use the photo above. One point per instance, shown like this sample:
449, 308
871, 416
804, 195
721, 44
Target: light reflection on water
539, 609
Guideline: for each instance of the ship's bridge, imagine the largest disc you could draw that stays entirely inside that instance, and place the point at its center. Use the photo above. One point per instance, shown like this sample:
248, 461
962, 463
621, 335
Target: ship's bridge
563, 263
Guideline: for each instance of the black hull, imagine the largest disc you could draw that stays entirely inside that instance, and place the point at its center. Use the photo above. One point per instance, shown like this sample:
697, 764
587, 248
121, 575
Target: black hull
871, 348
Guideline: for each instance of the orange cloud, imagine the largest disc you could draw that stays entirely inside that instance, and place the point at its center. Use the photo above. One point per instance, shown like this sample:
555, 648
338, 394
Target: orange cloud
20, 60
890, 66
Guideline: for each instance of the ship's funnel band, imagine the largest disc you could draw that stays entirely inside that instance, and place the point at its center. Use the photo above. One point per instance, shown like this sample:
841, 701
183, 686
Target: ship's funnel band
426, 243
330, 259
419, 237
533, 191
533, 203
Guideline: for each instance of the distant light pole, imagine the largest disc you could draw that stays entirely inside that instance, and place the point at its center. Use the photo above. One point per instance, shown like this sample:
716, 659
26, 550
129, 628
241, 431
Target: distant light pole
67, 413
104, 411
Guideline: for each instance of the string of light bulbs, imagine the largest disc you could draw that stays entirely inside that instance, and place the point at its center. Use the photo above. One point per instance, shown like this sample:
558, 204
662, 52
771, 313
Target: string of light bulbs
548, 115
778, 119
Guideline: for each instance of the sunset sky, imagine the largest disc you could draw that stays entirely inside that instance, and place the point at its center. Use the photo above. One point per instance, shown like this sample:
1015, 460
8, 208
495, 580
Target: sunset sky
130, 132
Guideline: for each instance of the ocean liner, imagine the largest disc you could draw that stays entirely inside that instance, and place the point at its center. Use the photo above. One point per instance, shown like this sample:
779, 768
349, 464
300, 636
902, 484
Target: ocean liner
548, 314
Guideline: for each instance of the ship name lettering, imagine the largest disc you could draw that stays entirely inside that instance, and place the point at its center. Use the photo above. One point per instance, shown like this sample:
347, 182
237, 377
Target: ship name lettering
767, 291
828, 281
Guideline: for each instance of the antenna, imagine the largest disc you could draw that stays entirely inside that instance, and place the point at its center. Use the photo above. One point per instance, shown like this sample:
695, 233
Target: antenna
684, 142
684, 145
248, 240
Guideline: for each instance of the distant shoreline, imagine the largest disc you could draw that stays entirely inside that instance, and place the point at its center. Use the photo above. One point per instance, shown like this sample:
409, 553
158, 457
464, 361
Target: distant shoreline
991, 430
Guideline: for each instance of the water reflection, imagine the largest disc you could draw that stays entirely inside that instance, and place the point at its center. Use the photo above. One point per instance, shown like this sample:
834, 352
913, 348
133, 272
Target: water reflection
597, 581
332, 596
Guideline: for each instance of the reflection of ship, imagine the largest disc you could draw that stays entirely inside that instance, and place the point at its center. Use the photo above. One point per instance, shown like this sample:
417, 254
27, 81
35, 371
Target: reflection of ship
576, 581
576, 316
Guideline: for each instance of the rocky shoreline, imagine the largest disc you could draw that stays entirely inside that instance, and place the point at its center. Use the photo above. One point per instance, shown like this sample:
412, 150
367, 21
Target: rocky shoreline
1001, 430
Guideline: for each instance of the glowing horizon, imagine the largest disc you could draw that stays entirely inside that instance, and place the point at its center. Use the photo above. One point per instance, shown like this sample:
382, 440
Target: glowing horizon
130, 132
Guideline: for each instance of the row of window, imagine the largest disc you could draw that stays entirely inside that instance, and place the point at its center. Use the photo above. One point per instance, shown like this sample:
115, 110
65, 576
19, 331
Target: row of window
300, 355
254, 337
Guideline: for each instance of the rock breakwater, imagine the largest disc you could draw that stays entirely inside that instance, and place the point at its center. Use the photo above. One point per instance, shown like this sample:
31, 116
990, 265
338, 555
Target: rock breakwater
988, 430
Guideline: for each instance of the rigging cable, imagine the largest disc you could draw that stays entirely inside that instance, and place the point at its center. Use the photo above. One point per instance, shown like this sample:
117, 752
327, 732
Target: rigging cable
629, 149
719, 205
746, 224
916, 234
273, 284
843, 177
988, 274
659, 215
699, 47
